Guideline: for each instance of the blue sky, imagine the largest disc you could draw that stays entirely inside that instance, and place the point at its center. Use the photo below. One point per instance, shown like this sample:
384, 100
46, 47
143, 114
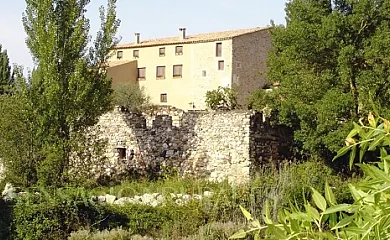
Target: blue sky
152, 18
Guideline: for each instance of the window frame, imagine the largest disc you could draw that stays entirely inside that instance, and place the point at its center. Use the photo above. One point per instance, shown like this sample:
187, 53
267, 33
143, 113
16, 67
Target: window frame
218, 49
135, 53
160, 54
181, 71
138, 75
178, 52
219, 65
157, 72
163, 97
119, 55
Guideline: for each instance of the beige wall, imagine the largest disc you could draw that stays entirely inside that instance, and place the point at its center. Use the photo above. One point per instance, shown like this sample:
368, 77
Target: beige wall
250, 52
244, 58
190, 90
124, 73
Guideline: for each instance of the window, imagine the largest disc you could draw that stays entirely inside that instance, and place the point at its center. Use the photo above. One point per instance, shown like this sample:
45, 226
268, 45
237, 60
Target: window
163, 97
218, 50
121, 152
161, 52
204, 73
238, 65
177, 70
136, 53
179, 50
141, 73
119, 54
221, 65
160, 72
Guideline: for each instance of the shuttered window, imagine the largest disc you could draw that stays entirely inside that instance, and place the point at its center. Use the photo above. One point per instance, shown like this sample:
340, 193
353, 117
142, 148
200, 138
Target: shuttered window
177, 70
141, 73
219, 50
160, 72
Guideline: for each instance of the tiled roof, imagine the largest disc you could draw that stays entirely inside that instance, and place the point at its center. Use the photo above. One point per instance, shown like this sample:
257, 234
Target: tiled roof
198, 38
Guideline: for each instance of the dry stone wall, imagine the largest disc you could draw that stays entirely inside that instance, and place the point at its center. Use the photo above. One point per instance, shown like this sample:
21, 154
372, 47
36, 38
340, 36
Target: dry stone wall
212, 145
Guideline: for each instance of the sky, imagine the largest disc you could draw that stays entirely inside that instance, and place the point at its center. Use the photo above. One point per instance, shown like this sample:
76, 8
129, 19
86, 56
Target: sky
151, 18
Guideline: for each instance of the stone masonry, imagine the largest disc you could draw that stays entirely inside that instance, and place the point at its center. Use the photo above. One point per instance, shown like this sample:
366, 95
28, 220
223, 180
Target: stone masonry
213, 145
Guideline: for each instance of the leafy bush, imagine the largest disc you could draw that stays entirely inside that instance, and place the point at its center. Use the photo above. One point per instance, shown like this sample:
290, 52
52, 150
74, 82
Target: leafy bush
224, 98
131, 97
53, 215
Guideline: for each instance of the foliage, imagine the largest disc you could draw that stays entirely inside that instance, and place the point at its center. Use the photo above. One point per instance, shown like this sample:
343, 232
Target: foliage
329, 59
5, 72
131, 97
67, 91
54, 215
324, 218
224, 98
113, 234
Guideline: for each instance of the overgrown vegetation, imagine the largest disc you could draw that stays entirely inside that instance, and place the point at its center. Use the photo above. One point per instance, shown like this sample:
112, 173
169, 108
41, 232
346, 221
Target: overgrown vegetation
131, 96
328, 60
223, 98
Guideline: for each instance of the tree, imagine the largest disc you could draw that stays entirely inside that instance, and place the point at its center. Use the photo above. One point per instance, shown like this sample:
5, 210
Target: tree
222, 98
131, 96
5, 72
330, 59
69, 88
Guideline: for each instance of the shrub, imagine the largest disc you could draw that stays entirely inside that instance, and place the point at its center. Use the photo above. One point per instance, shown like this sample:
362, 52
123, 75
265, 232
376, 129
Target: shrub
114, 234
224, 98
53, 215
131, 97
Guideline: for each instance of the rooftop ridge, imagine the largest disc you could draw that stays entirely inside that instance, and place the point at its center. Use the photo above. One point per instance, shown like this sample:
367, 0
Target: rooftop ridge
197, 38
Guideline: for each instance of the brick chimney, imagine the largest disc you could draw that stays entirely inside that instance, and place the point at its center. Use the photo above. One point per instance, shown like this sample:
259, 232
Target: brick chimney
182, 33
137, 38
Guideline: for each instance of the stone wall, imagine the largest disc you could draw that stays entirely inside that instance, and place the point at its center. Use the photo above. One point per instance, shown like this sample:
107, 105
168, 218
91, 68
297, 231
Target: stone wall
211, 145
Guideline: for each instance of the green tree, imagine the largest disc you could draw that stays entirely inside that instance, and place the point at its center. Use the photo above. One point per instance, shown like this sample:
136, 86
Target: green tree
131, 96
5, 72
330, 59
69, 88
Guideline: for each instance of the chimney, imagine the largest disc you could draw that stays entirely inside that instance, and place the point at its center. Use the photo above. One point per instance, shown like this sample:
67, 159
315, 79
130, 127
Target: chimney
182, 33
137, 38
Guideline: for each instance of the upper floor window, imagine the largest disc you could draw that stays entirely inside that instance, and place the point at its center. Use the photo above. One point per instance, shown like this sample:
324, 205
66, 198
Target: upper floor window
221, 65
177, 70
136, 53
119, 54
161, 52
179, 50
218, 50
141, 73
160, 72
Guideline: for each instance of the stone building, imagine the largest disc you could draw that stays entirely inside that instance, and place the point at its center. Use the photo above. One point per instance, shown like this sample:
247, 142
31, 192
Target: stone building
178, 71
213, 145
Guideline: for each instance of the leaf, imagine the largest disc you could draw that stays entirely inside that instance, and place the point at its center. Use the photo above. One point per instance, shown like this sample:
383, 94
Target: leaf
247, 215
352, 156
342, 152
344, 222
363, 149
238, 235
375, 173
371, 120
329, 194
377, 140
337, 208
267, 215
278, 232
319, 200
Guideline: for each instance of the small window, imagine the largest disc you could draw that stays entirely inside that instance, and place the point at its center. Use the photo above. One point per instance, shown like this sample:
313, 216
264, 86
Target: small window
160, 72
204, 73
177, 70
136, 53
221, 65
161, 52
163, 97
179, 50
219, 50
119, 54
141, 73
121, 152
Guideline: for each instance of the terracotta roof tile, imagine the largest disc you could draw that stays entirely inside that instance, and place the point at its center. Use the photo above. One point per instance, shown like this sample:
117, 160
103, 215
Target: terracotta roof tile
204, 37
